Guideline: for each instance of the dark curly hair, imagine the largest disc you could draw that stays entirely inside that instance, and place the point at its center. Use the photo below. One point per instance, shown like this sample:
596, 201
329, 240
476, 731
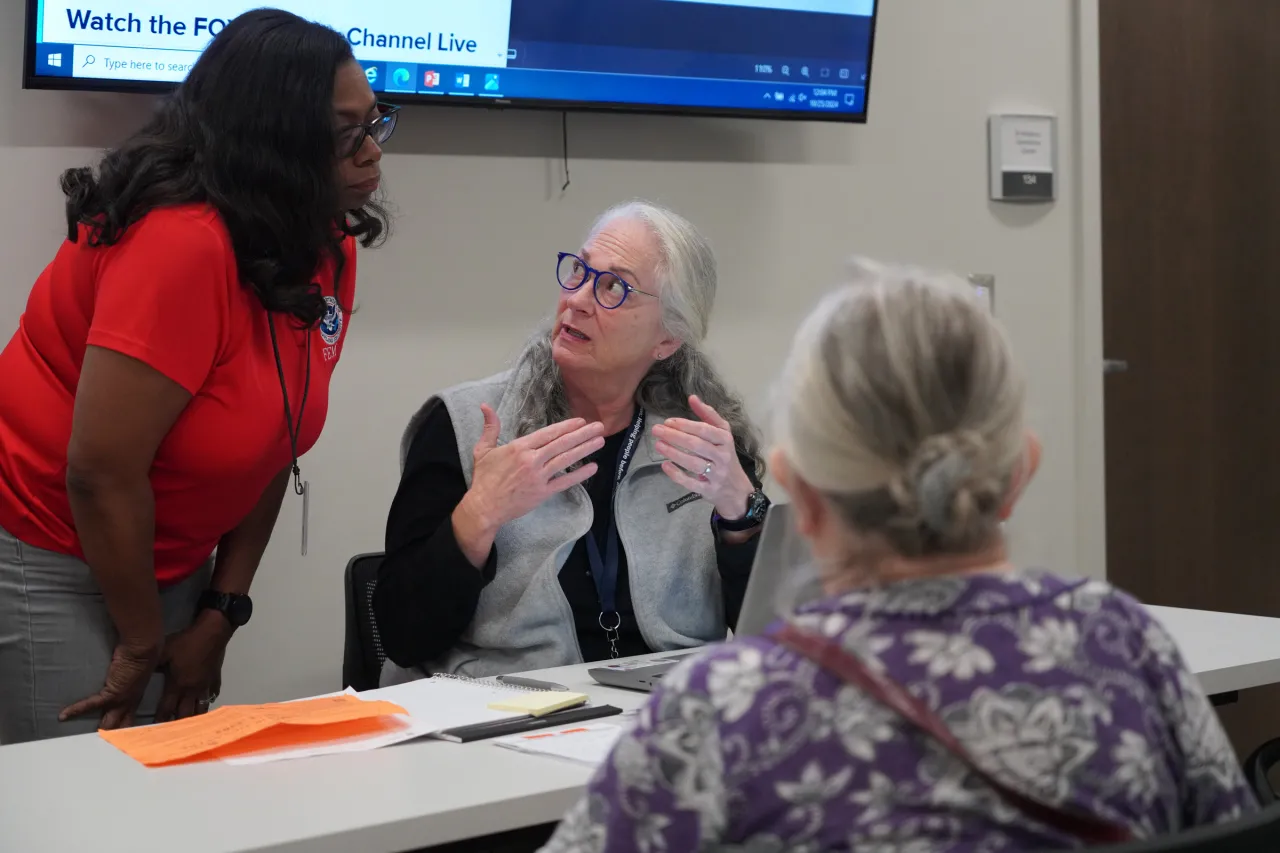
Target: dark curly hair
250, 132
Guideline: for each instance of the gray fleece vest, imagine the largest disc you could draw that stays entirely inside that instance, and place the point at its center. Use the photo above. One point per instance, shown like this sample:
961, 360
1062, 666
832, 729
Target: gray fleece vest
523, 620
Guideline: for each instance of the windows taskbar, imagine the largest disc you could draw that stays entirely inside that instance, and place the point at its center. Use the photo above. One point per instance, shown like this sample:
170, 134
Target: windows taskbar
516, 84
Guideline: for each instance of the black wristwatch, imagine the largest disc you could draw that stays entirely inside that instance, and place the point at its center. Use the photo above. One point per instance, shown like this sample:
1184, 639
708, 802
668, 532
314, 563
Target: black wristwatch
757, 509
238, 609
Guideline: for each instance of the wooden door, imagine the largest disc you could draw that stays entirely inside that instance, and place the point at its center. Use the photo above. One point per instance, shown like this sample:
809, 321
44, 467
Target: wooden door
1191, 277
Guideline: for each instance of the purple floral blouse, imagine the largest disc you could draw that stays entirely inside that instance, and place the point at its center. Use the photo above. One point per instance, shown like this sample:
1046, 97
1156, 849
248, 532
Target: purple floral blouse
1066, 689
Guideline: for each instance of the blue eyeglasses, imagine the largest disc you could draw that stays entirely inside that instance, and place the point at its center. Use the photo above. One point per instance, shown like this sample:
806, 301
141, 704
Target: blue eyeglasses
610, 290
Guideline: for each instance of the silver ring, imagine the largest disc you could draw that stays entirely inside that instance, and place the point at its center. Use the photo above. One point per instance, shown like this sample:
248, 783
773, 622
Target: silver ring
706, 472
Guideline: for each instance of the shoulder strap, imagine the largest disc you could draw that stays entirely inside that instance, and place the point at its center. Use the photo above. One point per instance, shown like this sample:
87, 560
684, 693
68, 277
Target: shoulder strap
832, 657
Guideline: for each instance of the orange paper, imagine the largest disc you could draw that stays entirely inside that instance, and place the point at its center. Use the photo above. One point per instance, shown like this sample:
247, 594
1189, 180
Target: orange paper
215, 734
285, 737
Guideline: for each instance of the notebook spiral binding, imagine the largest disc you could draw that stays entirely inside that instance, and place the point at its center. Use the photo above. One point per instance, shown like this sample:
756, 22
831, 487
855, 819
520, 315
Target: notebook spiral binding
488, 685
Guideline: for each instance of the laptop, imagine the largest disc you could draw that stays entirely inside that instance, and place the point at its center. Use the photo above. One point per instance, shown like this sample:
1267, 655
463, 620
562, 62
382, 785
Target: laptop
782, 578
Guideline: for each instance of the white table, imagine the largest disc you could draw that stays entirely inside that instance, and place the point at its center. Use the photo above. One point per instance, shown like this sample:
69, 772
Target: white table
82, 794
1228, 651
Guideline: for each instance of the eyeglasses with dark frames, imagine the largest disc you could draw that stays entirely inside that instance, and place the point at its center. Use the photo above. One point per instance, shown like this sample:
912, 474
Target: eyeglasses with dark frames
351, 138
610, 289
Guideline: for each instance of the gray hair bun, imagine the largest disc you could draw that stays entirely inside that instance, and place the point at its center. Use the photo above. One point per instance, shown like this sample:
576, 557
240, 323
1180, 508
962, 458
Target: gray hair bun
944, 500
902, 404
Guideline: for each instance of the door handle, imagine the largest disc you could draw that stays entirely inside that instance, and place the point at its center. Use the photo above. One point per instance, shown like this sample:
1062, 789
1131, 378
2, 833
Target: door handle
1114, 365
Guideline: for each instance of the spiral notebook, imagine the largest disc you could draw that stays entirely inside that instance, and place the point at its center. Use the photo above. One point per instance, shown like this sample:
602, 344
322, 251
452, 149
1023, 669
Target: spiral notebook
448, 701
459, 709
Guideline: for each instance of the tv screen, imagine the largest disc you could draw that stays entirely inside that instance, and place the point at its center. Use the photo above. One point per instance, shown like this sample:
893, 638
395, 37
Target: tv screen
806, 59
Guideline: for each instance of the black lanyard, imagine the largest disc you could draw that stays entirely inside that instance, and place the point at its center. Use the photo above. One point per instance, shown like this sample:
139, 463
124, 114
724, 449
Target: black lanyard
294, 429
605, 570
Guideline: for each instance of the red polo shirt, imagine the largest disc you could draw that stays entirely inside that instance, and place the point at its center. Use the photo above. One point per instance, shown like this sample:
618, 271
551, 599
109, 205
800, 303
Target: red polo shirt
167, 294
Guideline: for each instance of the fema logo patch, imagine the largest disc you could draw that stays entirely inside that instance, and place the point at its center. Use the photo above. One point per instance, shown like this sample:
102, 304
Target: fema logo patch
331, 323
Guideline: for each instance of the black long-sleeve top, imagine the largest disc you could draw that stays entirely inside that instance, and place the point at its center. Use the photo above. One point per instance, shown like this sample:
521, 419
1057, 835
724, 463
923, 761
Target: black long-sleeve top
428, 591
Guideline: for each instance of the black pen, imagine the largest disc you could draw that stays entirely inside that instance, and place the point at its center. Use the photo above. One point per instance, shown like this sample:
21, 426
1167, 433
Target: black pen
517, 725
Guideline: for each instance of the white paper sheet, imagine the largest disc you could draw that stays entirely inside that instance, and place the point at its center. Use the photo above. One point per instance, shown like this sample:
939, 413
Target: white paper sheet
407, 729
587, 744
432, 704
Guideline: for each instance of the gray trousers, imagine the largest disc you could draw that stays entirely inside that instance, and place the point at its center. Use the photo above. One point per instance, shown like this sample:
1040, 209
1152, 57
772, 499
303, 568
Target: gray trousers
56, 640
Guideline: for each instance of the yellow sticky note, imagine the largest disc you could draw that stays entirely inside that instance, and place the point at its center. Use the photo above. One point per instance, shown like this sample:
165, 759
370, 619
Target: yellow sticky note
540, 703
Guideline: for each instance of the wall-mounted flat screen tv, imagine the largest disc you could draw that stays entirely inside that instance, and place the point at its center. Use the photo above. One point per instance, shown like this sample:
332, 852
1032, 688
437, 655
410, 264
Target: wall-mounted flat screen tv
807, 59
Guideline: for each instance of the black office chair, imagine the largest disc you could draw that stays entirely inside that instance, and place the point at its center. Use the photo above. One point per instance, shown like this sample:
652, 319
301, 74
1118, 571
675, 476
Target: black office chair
363, 655
1259, 833
1257, 770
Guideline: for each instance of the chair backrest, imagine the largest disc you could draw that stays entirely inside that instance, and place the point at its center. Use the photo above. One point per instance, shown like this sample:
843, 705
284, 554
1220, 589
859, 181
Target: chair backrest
1257, 833
362, 655
1257, 770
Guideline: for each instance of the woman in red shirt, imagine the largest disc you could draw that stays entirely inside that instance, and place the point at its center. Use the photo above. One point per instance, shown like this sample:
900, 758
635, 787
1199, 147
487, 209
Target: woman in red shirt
172, 364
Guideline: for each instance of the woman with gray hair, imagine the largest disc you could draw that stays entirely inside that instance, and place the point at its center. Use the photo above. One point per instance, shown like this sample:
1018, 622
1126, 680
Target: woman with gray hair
935, 699
599, 500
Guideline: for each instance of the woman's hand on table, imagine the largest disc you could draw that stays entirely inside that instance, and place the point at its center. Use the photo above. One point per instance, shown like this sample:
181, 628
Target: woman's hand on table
192, 666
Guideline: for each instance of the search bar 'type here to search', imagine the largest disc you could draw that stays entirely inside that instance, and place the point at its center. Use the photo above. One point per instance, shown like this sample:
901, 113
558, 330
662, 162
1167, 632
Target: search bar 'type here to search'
133, 63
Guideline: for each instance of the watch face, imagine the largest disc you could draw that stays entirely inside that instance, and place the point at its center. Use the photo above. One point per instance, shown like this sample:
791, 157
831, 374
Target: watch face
759, 504
240, 610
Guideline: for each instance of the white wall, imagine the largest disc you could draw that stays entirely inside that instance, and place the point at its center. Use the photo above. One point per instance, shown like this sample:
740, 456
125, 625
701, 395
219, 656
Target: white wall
469, 269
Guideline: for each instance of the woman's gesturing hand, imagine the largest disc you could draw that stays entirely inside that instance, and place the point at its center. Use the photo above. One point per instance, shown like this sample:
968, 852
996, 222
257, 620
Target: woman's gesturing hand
512, 479
702, 457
